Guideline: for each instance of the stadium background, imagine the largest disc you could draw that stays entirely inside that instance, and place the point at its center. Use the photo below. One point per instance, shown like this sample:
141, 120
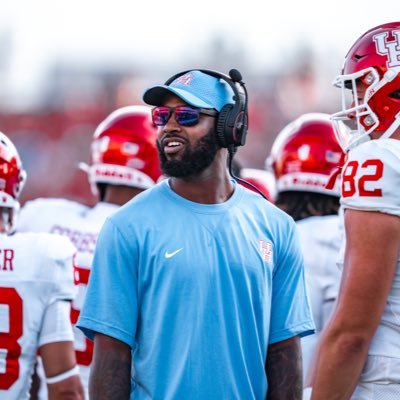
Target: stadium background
51, 108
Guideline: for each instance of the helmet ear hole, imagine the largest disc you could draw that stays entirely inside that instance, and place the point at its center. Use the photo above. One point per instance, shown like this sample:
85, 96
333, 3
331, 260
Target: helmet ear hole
224, 133
395, 94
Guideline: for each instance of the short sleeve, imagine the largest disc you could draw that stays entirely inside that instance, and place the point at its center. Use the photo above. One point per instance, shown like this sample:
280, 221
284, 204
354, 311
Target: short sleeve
110, 305
290, 310
56, 324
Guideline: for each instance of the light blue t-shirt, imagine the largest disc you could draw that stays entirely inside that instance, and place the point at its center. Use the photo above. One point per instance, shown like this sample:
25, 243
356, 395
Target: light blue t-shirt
198, 291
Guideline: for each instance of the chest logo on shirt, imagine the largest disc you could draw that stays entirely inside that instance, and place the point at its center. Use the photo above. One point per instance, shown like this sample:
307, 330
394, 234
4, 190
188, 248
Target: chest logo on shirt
169, 255
265, 248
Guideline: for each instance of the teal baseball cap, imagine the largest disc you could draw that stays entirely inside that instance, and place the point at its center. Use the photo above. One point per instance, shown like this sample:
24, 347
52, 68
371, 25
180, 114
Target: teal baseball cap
196, 88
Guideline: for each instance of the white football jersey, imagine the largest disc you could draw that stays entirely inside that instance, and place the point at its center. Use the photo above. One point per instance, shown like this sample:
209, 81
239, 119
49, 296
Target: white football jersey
81, 224
371, 179
320, 240
36, 270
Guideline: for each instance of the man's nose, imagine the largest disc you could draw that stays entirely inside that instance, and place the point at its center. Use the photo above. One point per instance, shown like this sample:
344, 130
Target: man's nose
171, 124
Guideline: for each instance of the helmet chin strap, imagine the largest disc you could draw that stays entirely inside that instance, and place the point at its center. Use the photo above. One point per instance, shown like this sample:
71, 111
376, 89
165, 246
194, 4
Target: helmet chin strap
392, 128
388, 133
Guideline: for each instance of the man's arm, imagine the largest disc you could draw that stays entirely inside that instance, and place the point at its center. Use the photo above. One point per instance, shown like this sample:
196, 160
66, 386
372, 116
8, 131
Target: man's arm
58, 358
372, 249
284, 370
110, 375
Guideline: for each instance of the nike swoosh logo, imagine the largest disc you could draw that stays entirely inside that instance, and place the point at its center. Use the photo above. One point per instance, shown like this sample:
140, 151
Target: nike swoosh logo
169, 255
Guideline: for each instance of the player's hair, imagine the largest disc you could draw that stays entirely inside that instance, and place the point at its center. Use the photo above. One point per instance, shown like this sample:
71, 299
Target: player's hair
300, 205
102, 188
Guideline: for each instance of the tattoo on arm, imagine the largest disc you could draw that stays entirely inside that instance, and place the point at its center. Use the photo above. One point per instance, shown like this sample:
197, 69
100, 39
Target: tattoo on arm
110, 376
284, 370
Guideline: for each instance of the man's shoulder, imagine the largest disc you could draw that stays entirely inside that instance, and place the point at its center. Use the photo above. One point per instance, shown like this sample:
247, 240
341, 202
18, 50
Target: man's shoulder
386, 150
40, 214
48, 245
41, 255
314, 222
322, 230
53, 205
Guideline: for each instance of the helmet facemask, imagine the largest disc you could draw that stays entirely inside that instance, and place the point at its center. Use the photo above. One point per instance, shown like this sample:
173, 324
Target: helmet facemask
357, 120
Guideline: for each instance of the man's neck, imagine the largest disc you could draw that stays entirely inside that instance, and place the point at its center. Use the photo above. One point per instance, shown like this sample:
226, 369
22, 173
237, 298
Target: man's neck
204, 189
119, 195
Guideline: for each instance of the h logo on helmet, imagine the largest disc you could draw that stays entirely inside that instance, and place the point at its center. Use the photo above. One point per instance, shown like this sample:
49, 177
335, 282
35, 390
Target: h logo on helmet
392, 48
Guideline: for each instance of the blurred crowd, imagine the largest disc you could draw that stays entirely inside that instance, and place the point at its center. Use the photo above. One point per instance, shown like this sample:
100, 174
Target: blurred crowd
54, 129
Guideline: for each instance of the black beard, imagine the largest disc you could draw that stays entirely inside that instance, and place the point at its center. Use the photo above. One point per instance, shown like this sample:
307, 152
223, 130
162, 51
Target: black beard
194, 159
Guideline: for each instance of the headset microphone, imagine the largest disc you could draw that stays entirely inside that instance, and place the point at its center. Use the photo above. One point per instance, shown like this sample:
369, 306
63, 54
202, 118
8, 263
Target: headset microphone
235, 75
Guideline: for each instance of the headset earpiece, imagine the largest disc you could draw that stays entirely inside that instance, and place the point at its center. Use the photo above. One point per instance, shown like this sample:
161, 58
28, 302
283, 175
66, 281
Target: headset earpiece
220, 129
232, 122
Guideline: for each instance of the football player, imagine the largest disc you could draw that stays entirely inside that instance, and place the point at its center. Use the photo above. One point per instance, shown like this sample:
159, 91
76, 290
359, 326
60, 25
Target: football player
36, 290
359, 353
124, 162
303, 157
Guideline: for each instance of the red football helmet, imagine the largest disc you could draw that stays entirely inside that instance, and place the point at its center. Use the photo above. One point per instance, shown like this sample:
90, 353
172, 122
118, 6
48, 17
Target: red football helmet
12, 180
373, 63
124, 149
261, 179
304, 155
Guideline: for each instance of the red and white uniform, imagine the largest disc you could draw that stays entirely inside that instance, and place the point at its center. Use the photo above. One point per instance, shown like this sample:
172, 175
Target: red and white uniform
81, 224
371, 182
36, 280
320, 240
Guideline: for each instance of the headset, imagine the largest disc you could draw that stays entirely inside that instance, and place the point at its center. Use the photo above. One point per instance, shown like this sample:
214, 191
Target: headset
232, 120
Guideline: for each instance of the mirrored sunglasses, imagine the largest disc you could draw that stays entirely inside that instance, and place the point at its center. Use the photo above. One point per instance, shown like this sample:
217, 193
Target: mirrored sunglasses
184, 115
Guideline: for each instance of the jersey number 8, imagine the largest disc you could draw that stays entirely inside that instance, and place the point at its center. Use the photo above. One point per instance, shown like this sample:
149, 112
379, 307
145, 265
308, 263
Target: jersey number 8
10, 298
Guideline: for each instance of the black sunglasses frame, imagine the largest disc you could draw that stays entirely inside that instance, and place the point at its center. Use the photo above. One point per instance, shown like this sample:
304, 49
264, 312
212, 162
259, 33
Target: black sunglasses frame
198, 111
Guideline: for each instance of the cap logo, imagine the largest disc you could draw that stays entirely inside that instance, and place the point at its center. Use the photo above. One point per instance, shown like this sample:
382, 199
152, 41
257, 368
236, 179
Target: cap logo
391, 49
184, 79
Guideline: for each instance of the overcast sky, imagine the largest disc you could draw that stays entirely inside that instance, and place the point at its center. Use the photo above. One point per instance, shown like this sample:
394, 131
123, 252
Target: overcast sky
157, 31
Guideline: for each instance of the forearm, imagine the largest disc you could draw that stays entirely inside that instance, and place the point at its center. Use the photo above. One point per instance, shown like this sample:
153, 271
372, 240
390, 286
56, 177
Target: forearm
110, 375
284, 370
339, 366
68, 389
